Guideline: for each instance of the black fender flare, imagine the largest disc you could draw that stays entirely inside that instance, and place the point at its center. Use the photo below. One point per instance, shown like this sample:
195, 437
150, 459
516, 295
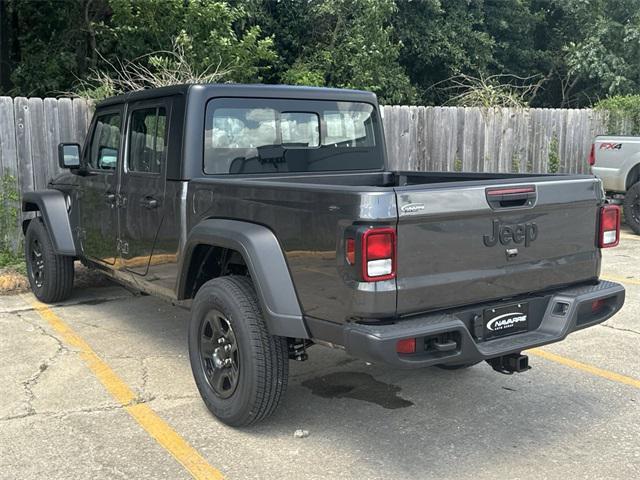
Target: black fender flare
53, 208
267, 266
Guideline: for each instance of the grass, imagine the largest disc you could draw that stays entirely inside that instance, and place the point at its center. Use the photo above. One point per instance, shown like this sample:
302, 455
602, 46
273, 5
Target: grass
12, 267
9, 260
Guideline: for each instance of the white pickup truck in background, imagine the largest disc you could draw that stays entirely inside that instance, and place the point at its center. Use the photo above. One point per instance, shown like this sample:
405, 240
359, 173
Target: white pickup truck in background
616, 160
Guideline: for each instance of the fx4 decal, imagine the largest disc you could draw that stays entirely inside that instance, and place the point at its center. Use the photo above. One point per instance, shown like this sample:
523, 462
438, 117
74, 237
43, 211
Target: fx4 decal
610, 146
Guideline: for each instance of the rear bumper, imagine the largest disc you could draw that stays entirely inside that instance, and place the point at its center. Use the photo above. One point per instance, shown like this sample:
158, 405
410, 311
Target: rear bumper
377, 343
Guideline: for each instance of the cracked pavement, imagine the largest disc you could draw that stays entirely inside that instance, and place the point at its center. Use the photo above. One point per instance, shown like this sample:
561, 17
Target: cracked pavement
58, 421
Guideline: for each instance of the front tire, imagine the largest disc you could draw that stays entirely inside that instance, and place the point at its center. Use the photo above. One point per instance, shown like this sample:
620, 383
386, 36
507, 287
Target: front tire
241, 371
50, 275
632, 208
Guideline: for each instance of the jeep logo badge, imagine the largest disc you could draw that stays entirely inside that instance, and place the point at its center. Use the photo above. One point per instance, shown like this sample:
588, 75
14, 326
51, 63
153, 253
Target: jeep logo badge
505, 234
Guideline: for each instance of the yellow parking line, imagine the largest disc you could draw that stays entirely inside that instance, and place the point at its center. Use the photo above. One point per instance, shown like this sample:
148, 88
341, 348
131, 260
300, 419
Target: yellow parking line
615, 377
149, 420
617, 278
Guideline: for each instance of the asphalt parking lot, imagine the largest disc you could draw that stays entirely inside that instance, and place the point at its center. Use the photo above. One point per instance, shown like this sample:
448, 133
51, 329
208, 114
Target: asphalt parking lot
100, 387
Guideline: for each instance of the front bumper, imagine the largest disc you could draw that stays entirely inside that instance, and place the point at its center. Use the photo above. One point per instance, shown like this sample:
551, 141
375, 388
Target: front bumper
548, 323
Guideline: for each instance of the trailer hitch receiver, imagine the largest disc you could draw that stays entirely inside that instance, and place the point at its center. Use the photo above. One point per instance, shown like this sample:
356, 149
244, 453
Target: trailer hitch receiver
509, 364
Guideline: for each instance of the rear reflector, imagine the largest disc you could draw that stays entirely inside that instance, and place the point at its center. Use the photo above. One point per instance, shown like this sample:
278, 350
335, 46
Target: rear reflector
592, 155
350, 251
597, 305
379, 254
407, 345
609, 230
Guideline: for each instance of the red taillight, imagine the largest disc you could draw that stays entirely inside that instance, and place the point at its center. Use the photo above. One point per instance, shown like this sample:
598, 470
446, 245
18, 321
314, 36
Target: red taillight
407, 345
379, 246
378, 254
609, 230
350, 251
592, 155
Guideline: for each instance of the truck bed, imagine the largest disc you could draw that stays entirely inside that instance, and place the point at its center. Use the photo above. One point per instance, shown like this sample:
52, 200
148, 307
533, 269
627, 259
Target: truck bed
448, 254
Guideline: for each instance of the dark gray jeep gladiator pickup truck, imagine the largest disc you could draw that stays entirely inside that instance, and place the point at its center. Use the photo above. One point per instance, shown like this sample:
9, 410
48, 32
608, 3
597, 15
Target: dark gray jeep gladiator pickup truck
269, 211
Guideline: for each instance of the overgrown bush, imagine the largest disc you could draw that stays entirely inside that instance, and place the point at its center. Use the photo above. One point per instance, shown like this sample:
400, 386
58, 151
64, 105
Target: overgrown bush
553, 165
9, 212
489, 92
623, 114
157, 69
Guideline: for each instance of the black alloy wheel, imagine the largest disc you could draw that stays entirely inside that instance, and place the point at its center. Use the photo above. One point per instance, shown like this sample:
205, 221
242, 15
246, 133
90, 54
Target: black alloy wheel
219, 354
36, 264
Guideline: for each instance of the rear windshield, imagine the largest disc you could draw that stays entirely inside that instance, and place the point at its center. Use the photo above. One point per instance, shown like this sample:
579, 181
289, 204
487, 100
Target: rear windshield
273, 135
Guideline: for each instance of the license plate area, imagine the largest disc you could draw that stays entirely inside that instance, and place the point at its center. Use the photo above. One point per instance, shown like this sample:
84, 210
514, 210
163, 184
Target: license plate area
506, 320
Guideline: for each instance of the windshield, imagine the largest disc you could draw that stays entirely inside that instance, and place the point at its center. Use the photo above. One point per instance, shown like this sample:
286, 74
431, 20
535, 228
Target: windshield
273, 135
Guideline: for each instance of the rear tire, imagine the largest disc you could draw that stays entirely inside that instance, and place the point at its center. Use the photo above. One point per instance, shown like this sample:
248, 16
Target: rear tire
632, 208
241, 371
50, 275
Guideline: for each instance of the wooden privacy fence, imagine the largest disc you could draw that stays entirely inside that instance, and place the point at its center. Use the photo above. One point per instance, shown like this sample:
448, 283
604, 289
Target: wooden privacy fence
491, 140
418, 138
30, 131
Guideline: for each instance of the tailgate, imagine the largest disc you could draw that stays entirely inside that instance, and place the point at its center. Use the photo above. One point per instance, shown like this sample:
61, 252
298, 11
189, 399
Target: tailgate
459, 244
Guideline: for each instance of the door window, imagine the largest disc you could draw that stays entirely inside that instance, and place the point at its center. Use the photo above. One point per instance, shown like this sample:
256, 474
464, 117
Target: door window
105, 142
147, 140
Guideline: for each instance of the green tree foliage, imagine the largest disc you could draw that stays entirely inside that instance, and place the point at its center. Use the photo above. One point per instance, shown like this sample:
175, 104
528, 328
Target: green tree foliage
341, 43
204, 30
442, 39
57, 43
513, 30
50, 43
606, 54
566, 52
571, 52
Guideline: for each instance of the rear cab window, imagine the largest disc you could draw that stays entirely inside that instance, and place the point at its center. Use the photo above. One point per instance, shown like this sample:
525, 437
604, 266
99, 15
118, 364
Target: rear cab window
275, 135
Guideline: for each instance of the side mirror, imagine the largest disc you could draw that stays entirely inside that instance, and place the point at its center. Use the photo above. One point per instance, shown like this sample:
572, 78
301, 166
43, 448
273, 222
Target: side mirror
69, 155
